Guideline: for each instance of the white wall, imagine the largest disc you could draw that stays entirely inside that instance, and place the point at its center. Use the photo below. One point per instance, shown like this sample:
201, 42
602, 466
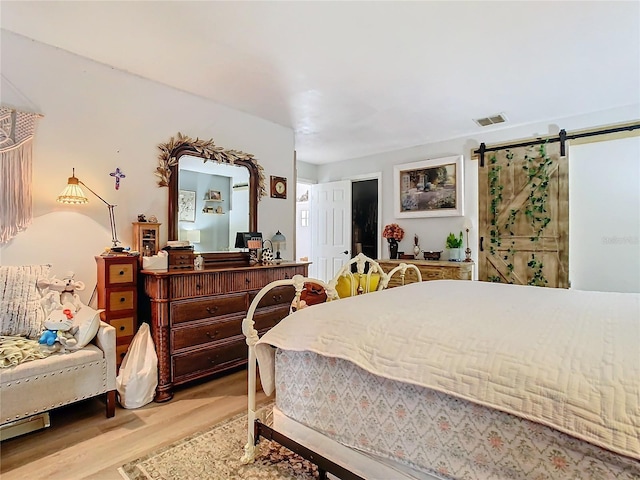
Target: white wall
433, 231
98, 118
604, 216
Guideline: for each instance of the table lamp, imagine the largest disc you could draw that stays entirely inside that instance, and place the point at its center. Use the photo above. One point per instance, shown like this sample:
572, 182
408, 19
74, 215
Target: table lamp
73, 194
279, 242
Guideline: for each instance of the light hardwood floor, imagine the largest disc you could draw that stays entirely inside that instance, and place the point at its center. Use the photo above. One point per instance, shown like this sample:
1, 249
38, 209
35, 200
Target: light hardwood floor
83, 443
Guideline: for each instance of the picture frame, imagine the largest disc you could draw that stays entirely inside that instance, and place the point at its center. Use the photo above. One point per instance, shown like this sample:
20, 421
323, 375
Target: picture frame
187, 206
430, 188
213, 195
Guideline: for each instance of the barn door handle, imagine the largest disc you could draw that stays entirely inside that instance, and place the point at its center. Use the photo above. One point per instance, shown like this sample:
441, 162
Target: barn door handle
481, 247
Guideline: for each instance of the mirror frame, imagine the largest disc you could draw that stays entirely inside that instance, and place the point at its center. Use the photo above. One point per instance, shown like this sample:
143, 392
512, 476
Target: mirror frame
167, 171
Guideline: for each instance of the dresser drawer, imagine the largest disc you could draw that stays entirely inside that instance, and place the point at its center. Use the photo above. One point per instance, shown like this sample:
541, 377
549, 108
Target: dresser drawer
197, 285
276, 296
120, 299
202, 333
185, 366
121, 273
196, 309
125, 326
269, 317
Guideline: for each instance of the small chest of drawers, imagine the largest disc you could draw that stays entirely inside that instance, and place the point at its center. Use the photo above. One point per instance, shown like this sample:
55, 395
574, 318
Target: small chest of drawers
118, 297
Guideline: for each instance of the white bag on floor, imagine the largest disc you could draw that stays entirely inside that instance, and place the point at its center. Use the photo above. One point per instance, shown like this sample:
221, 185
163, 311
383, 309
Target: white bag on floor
138, 377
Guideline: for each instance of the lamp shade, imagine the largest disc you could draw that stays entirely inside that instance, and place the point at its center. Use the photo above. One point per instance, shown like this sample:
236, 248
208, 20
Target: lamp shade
279, 240
72, 193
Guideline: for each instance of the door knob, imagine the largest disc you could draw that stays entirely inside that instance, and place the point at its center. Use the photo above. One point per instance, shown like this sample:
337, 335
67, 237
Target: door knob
346, 252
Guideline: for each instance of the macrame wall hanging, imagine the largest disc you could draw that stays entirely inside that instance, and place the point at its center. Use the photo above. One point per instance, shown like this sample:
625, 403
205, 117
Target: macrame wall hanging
16, 192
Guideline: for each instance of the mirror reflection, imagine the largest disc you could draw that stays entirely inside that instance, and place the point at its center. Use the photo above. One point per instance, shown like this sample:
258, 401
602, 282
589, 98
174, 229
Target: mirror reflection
213, 203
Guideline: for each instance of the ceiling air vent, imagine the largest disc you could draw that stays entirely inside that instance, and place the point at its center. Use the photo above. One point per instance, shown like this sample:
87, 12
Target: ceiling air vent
492, 120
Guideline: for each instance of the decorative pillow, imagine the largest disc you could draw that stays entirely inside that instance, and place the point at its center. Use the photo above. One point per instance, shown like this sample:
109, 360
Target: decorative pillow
21, 313
343, 287
88, 322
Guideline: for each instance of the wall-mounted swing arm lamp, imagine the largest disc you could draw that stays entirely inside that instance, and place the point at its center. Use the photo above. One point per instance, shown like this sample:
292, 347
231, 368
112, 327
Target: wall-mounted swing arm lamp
73, 194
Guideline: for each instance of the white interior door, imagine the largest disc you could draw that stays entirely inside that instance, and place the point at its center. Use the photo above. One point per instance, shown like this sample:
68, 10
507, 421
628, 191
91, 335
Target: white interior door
330, 228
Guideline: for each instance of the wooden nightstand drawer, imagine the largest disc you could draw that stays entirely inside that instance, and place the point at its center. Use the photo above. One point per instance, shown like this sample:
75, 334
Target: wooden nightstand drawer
121, 351
125, 327
189, 310
119, 273
119, 300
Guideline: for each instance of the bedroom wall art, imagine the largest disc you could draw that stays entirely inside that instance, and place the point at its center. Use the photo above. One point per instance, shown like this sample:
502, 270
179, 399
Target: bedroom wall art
430, 188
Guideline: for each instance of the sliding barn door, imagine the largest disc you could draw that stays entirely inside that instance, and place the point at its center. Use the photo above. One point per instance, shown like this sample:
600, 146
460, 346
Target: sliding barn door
524, 216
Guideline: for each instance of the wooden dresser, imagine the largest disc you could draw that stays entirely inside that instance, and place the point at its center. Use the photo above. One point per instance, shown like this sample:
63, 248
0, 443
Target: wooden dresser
430, 270
117, 295
196, 317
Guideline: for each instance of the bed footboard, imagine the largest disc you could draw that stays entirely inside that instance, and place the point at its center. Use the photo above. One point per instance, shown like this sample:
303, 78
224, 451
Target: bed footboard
248, 329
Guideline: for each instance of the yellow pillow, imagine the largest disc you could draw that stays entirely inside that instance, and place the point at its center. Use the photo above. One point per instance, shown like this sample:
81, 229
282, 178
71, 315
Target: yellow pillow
343, 288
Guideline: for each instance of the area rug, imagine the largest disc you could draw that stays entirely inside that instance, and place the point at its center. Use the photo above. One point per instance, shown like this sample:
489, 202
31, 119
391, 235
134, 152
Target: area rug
215, 455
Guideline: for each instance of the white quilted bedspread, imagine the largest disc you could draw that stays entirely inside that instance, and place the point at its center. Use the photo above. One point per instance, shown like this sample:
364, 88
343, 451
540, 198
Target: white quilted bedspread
564, 358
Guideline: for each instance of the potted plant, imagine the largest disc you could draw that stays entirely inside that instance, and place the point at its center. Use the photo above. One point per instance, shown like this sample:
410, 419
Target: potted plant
454, 245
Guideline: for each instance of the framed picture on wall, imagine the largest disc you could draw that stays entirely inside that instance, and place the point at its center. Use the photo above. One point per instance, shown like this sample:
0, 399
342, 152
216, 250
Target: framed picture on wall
431, 188
186, 206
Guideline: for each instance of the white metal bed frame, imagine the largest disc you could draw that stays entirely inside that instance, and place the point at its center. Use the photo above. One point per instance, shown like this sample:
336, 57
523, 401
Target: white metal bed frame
360, 283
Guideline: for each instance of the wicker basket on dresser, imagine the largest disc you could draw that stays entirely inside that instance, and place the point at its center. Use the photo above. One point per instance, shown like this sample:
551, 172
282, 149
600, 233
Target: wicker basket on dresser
196, 317
430, 270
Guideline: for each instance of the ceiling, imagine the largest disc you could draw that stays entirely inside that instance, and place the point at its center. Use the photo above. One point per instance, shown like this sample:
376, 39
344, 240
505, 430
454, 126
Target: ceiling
358, 78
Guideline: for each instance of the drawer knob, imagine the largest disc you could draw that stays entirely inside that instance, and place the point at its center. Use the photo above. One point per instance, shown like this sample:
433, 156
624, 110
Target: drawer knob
277, 298
121, 272
286, 276
215, 334
122, 328
212, 310
122, 299
198, 286
246, 280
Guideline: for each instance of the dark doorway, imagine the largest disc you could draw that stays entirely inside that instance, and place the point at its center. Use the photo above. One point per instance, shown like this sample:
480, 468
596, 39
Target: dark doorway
364, 218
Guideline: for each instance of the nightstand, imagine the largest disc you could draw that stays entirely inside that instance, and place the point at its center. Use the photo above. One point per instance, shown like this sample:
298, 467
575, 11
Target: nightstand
118, 296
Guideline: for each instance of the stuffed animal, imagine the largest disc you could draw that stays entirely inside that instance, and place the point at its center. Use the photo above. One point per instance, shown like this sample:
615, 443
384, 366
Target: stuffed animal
60, 331
60, 293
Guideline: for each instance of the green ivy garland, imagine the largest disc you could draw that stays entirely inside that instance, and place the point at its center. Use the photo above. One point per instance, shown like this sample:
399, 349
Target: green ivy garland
537, 169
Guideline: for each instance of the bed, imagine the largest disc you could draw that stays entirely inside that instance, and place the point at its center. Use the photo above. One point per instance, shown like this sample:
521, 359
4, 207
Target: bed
456, 379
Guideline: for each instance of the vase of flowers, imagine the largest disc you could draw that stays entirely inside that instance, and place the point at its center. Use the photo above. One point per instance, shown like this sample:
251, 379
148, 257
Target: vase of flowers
393, 233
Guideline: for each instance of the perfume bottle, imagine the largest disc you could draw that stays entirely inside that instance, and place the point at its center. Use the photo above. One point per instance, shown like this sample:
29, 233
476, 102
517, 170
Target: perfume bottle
198, 262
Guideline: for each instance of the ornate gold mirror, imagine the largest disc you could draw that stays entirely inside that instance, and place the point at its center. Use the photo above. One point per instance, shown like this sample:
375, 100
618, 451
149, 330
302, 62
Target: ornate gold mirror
213, 193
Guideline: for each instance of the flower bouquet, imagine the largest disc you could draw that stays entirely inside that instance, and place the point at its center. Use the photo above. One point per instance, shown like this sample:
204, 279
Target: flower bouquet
393, 233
